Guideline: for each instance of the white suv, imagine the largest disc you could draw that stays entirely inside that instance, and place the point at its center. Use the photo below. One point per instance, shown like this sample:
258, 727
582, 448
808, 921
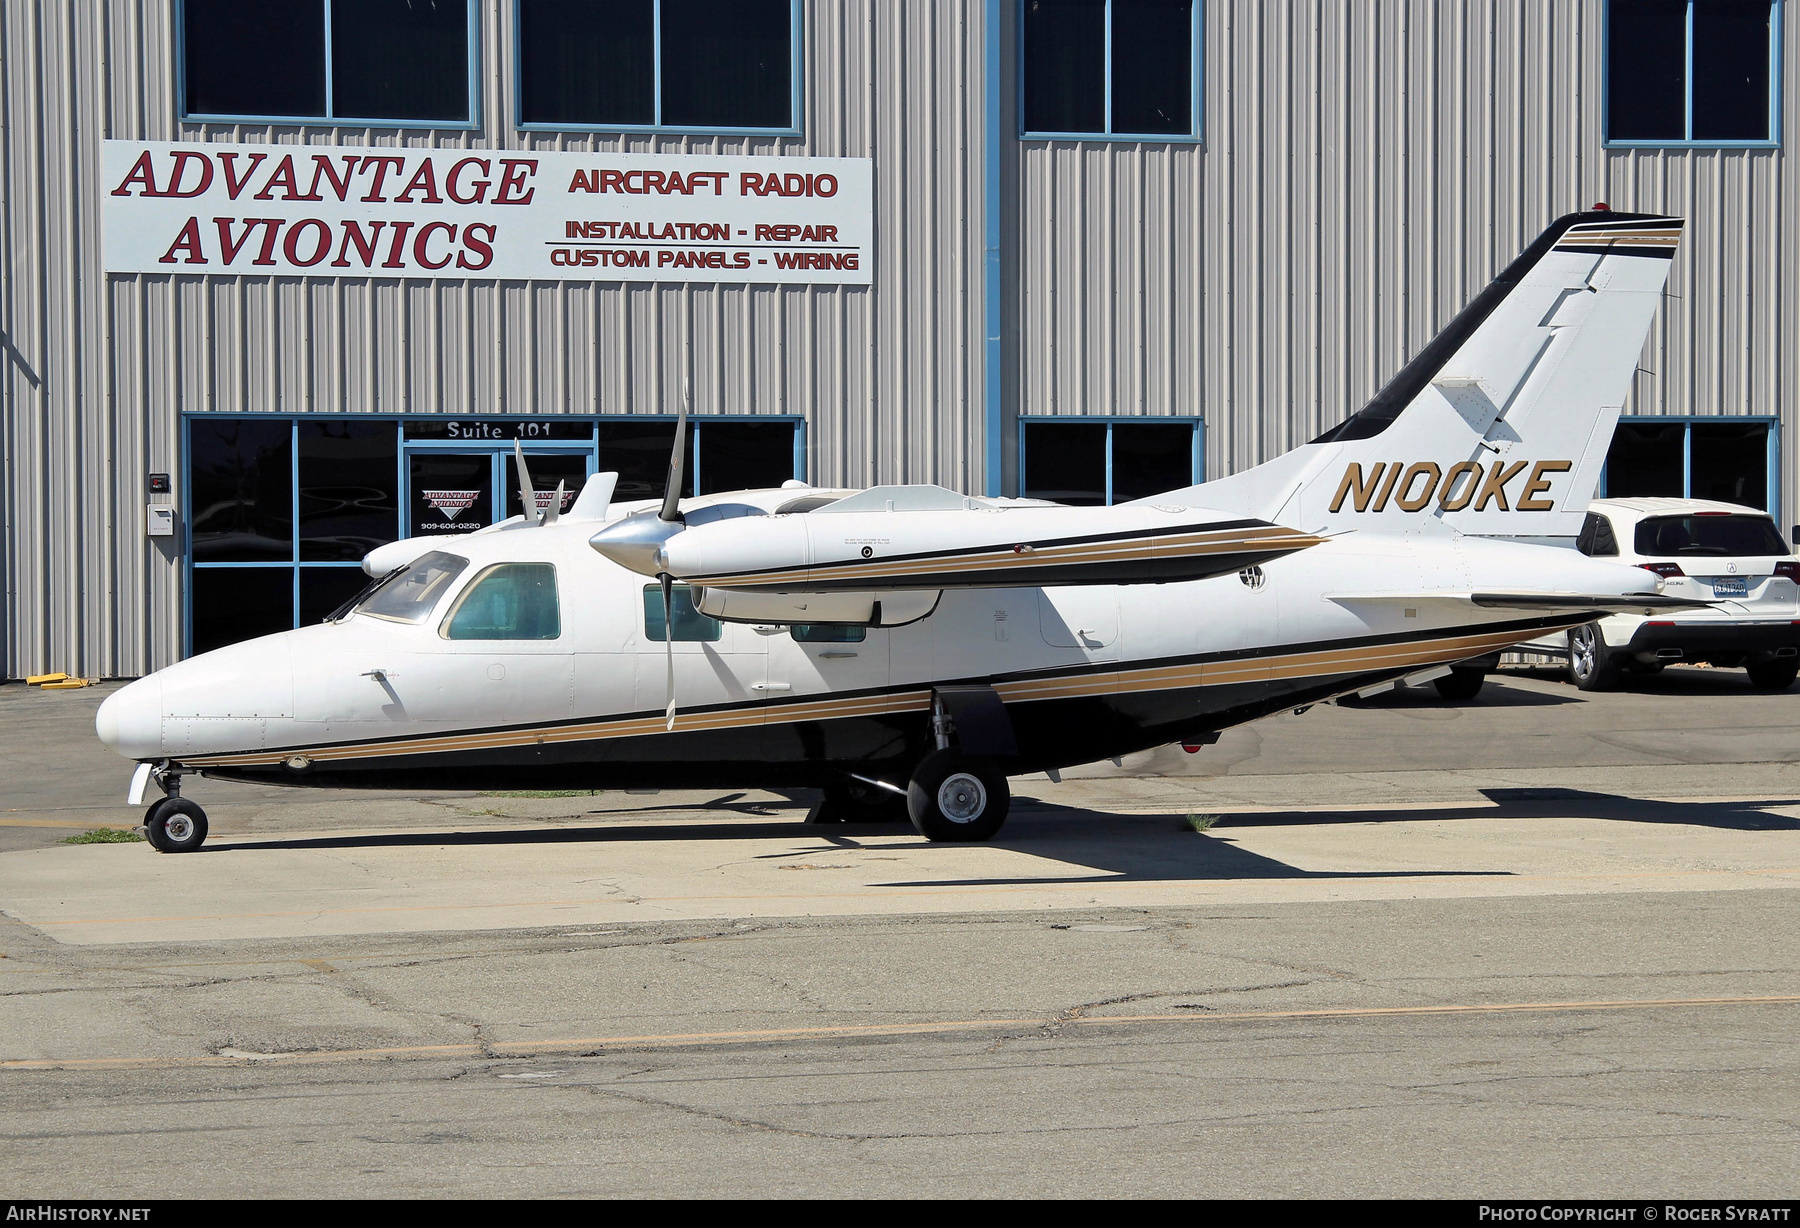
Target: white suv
1729, 555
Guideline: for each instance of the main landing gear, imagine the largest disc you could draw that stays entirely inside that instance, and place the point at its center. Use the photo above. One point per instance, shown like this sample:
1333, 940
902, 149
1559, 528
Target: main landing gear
953, 796
174, 824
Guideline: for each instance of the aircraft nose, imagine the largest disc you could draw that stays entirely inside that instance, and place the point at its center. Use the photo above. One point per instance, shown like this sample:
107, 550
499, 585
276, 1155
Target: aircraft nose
130, 721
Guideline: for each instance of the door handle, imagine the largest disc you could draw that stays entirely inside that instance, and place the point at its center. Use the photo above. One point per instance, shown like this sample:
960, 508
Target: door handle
771, 686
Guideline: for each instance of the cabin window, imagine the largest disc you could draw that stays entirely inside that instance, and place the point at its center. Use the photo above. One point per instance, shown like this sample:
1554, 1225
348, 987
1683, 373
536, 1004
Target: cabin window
389, 62
1111, 68
414, 590
690, 64
829, 633
509, 601
1692, 72
691, 626
1095, 463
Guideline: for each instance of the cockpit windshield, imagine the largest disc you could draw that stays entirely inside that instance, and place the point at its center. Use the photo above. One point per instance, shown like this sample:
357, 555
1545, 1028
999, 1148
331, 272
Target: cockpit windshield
412, 591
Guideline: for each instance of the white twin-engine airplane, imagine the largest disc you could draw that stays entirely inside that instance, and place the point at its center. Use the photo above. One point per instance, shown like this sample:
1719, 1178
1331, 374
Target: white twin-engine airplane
907, 645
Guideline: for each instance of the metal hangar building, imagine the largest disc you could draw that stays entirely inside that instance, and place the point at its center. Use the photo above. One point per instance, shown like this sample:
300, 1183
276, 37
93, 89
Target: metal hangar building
281, 282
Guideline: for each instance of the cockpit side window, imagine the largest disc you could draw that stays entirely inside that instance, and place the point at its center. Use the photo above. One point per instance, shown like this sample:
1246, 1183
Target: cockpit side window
508, 601
410, 594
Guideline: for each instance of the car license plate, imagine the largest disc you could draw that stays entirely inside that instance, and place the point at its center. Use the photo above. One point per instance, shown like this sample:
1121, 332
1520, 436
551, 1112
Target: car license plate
1730, 586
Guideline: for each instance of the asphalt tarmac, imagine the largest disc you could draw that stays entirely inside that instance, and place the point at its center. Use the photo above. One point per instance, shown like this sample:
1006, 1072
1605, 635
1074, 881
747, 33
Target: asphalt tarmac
1542, 945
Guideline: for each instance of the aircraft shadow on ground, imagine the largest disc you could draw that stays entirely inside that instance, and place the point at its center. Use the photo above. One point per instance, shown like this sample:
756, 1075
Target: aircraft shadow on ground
1116, 848
1490, 697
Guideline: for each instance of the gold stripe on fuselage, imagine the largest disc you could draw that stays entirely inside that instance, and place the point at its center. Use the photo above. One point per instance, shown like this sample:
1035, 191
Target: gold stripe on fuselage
1278, 666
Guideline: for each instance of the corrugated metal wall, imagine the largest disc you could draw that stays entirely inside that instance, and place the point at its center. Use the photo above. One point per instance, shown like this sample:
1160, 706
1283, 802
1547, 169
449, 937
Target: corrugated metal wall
95, 370
1369, 166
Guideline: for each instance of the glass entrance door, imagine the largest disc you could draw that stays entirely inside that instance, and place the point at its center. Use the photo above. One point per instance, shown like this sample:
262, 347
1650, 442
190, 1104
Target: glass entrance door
454, 491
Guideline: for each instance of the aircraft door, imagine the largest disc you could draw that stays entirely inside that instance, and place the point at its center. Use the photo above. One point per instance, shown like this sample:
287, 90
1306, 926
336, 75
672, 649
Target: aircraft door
501, 655
717, 664
1085, 617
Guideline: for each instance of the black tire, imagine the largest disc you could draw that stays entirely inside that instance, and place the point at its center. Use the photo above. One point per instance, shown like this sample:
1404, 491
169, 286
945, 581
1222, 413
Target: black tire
954, 797
1774, 675
1592, 666
1460, 685
175, 825
859, 803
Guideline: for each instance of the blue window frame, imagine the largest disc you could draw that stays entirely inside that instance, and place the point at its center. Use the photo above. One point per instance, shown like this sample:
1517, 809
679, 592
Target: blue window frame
1733, 459
1096, 70
278, 510
1693, 73
1095, 462
722, 67
374, 63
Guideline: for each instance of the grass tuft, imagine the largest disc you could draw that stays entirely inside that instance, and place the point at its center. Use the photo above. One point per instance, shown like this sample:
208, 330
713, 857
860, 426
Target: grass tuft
1201, 822
103, 835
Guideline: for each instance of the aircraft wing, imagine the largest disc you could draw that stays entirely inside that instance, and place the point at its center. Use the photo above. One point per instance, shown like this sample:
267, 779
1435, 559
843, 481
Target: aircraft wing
881, 540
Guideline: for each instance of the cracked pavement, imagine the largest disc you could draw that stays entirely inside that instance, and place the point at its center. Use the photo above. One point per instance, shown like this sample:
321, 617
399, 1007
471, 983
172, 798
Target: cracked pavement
1383, 971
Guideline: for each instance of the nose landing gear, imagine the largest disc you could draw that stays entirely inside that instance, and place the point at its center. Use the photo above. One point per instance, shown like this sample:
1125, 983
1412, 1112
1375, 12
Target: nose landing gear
174, 824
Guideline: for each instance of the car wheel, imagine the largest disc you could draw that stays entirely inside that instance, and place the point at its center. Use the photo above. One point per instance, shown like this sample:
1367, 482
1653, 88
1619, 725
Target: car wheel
1775, 675
1591, 666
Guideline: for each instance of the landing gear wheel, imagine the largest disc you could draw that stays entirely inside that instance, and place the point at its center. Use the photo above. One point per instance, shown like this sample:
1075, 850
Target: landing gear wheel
953, 797
175, 825
859, 803
1775, 675
1591, 666
1460, 685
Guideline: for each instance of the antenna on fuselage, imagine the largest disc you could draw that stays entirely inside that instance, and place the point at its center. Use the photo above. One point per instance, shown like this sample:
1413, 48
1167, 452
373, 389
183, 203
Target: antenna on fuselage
527, 495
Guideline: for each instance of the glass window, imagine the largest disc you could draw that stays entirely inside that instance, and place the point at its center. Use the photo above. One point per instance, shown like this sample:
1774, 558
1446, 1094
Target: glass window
829, 633
1729, 461
403, 61
691, 626
452, 492
325, 591
231, 604
1690, 70
400, 59
547, 469
410, 593
509, 601
1646, 458
1110, 67
241, 489
253, 59
639, 453
588, 62
1092, 464
744, 455
348, 501
725, 63
1708, 533
1596, 537
1708, 458
1065, 462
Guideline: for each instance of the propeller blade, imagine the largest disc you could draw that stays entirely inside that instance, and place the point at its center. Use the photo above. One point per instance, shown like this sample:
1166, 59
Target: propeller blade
678, 459
527, 496
668, 588
554, 511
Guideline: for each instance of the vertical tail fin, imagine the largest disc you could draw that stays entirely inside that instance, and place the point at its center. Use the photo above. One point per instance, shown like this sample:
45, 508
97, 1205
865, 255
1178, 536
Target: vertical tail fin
1501, 424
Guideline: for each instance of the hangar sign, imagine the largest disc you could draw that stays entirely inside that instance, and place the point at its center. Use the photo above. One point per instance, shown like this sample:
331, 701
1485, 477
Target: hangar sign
343, 211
